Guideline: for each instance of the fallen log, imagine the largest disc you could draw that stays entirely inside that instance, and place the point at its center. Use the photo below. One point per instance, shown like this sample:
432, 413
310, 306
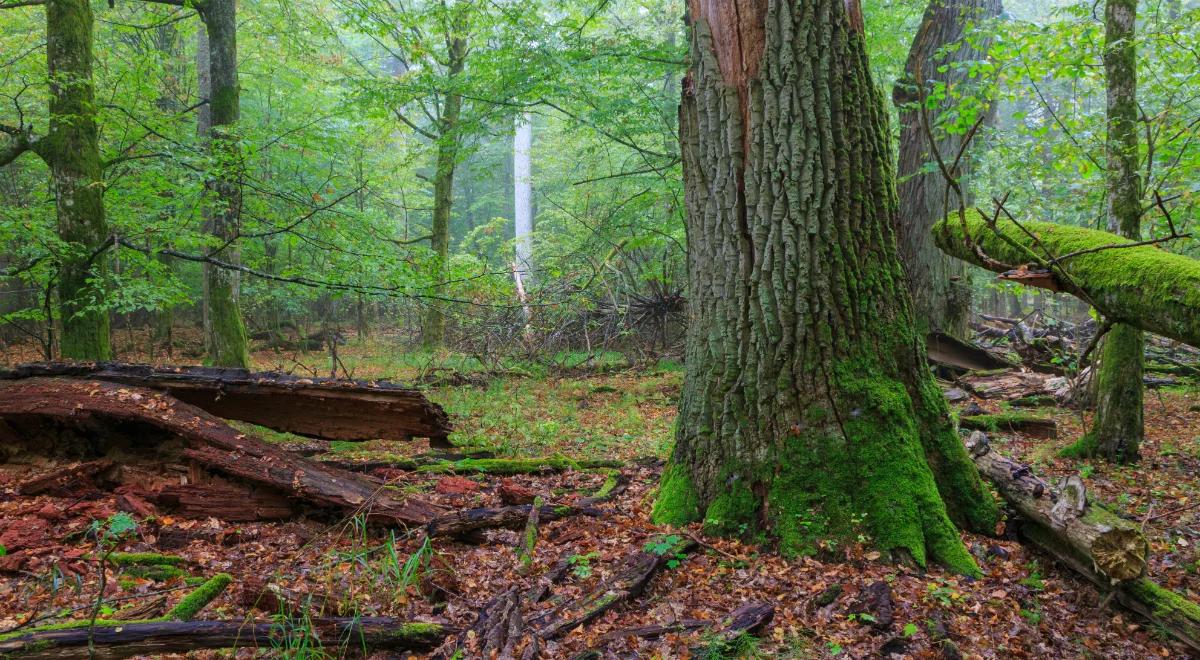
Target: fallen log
1040, 427
226, 502
315, 407
122, 640
639, 567
1007, 385
1115, 546
98, 407
62, 477
945, 350
1142, 285
462, 523
1102, 547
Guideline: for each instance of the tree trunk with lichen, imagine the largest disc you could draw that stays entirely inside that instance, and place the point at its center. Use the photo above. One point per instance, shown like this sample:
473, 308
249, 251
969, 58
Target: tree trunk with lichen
433, 331
807, 411
71, 149
938, 284
224, 330
1117, 430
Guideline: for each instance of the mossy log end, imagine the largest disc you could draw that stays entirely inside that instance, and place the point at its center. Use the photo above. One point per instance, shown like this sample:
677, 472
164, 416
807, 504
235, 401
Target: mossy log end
34, 405
1112, 546
314, 407
120, 639
1144, 286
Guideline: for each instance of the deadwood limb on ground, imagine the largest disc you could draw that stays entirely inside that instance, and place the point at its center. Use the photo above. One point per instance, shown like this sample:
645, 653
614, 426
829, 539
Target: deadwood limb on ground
96, 405
461, 523
1041, 427
1138, 285
159, 637
627, 583
316, 407
1102, 547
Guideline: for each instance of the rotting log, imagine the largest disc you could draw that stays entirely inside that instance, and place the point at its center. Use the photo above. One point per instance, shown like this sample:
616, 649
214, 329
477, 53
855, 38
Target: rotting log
945, 350
1114, 546
627, 583
314, 407
97, 407
495, 466
1123, 553
461, 523
231, 503
1142, 286
152, 638
1040, 427
62, 477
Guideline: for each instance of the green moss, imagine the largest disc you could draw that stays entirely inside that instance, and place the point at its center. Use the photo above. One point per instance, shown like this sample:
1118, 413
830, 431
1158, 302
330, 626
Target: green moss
1165, 604
606, 488
677, 503
1118, 426
507, 466
732, 511
144, 559
65, 625
158, 573
192, 603
1084, 447
1143, 286
1003, 421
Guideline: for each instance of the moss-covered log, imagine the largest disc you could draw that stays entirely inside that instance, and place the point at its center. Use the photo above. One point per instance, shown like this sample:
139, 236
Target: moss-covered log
1041, 427
123, 639
807, 409
1112, 546
1142, 286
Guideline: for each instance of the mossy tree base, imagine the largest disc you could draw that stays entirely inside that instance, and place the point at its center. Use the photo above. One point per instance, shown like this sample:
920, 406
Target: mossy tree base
807, 412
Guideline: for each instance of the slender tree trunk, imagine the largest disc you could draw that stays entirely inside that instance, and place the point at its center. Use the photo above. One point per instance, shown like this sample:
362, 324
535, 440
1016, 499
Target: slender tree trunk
523, 194
807, 410
1118, 428
72, 151
433, 333
225, 333
939, 285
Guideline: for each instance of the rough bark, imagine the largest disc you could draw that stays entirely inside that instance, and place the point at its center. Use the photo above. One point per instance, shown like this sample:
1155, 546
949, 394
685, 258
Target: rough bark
1142, 286
97, 408
1117, 430
433, 332
466, 521
314, 407
225, 502
224, 330
72, 151
1112, 546
123, 640
939, 286
807, 407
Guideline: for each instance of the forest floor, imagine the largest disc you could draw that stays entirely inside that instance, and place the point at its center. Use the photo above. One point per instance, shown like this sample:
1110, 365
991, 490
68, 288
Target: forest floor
1024, 606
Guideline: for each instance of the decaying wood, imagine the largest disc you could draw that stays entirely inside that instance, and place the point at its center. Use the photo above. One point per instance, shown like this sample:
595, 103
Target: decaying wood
1008, 385
1115, 547
63, 477
232, 503
945, 350
1039, 427
627, 583
747, 618
160, 637
95, 406
273, 599
461, 523
315, 407
650, 632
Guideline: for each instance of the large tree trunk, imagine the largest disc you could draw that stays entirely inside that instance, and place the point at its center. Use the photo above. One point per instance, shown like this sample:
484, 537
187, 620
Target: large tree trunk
807, 409
939, 285
224, 331
433, 332
1118, 429
1142, 286
72, 151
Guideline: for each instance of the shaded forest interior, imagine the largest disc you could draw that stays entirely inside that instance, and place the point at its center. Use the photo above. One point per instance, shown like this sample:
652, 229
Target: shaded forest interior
341, 328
